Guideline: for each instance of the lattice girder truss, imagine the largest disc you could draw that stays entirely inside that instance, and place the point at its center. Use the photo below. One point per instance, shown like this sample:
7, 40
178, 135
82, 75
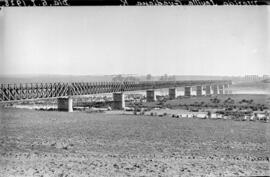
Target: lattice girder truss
13, 92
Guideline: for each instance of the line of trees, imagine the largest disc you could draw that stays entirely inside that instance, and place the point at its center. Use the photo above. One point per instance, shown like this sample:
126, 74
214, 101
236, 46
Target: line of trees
120, 78
165, 77
149, 77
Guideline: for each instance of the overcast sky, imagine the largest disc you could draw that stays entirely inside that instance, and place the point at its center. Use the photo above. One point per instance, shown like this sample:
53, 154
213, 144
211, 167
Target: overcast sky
135, 40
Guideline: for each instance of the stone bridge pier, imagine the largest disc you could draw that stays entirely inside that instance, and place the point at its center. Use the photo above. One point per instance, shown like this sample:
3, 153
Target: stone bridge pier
150, 95
118, 101
226, 88
172, 93
208, 90
215, 89
221, 89
65, 104
187, 91
199, 90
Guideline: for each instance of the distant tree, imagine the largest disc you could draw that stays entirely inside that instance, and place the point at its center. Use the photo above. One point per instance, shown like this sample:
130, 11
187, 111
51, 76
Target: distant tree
161, 78
172, 78
131, 79
164, 78
118, 78
148, 77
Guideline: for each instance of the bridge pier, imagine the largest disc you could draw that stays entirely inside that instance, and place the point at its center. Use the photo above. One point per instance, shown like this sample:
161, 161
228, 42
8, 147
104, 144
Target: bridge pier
65, 104
226, 87
215, 89
150, 96
187, 91
118, 101
172, 93
208, 90
221, 89
199, 90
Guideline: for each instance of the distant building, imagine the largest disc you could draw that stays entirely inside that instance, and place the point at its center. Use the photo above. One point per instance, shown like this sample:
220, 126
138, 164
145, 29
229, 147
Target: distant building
266, 77
251, 77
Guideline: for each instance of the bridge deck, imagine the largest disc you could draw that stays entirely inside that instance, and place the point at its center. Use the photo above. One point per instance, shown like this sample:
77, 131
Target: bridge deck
13, 92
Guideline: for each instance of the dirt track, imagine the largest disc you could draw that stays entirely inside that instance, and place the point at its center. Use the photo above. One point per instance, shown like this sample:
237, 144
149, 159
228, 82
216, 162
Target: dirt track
82, 144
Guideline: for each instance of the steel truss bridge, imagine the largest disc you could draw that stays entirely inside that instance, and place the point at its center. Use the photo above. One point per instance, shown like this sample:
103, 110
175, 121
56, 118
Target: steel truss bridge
29, 91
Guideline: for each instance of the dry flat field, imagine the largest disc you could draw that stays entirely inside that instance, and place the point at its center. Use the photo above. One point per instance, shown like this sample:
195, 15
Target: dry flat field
62, 144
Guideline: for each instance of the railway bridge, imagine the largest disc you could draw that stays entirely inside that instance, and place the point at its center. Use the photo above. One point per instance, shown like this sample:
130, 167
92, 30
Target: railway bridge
64, 92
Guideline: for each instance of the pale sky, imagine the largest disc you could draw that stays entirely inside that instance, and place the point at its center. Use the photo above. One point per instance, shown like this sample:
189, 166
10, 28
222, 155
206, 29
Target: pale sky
135, 40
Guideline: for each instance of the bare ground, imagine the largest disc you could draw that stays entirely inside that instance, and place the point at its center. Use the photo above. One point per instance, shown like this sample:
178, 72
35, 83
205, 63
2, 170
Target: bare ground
36, 143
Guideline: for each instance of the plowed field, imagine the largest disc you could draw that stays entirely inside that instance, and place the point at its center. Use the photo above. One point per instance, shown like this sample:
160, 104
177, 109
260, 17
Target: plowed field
38, 143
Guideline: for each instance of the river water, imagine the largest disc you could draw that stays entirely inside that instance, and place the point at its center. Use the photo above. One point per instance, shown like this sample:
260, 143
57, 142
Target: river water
180, 91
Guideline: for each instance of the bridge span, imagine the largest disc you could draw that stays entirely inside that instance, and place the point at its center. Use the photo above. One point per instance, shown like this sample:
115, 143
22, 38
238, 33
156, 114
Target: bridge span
65, 91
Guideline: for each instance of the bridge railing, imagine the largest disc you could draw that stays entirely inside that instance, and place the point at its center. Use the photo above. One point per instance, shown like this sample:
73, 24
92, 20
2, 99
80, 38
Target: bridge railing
11, 92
